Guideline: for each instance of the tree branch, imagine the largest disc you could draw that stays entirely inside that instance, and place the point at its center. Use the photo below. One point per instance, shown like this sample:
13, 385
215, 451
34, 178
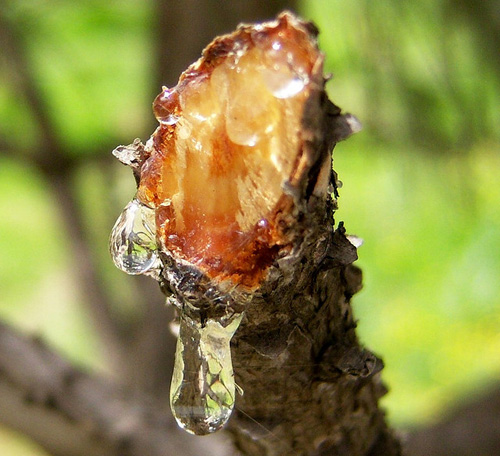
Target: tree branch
309, 387
470, 429
26, 85
71, 413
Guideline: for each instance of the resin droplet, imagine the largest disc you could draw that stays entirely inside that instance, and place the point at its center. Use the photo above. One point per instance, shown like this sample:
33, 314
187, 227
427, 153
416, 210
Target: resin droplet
166, 106
132, 243
283, 83
202, 392
285, 75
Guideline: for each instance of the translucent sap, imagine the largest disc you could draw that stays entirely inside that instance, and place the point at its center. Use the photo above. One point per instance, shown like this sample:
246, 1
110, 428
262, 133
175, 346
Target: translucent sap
202, 393
133, 240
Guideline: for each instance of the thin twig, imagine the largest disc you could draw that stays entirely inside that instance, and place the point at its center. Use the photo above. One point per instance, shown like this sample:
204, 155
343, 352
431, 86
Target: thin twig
13, 48
97, 298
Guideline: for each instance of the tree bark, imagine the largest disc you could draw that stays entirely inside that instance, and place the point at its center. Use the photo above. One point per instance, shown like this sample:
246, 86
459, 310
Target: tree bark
309, 388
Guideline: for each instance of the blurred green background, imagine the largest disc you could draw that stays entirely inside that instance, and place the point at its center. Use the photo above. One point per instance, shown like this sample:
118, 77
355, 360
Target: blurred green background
421, 182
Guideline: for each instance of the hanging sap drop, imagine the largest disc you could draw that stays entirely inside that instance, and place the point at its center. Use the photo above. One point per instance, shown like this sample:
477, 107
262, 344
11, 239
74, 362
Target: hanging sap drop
202, 392
132, 242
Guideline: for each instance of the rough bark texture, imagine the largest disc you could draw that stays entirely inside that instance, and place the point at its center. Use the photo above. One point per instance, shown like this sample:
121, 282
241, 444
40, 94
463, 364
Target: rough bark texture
309, 388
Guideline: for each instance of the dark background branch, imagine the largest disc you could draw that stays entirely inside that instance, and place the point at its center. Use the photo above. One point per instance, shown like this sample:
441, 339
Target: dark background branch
72, 413
472, 428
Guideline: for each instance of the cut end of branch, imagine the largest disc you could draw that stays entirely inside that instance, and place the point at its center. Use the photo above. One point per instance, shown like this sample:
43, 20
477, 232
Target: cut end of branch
232, 156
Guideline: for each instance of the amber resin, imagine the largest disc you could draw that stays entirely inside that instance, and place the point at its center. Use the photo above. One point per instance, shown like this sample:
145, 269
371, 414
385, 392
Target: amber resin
228, 148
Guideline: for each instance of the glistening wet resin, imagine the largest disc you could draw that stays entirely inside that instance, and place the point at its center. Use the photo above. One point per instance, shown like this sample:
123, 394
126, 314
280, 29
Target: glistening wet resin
228, 141
202, 392
133, 239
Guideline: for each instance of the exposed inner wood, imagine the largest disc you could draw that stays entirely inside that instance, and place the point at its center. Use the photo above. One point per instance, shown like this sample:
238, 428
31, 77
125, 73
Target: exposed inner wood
229, 142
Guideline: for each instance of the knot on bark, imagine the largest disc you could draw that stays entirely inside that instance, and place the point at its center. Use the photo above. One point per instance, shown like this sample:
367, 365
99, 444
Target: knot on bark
340, 252
351, 361
353, 280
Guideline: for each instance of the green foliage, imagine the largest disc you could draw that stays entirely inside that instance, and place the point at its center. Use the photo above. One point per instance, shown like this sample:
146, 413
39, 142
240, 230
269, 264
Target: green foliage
430, 304
415, 72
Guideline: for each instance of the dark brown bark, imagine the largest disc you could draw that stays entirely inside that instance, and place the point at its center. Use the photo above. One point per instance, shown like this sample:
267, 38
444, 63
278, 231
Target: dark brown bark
309, 387
308, 384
